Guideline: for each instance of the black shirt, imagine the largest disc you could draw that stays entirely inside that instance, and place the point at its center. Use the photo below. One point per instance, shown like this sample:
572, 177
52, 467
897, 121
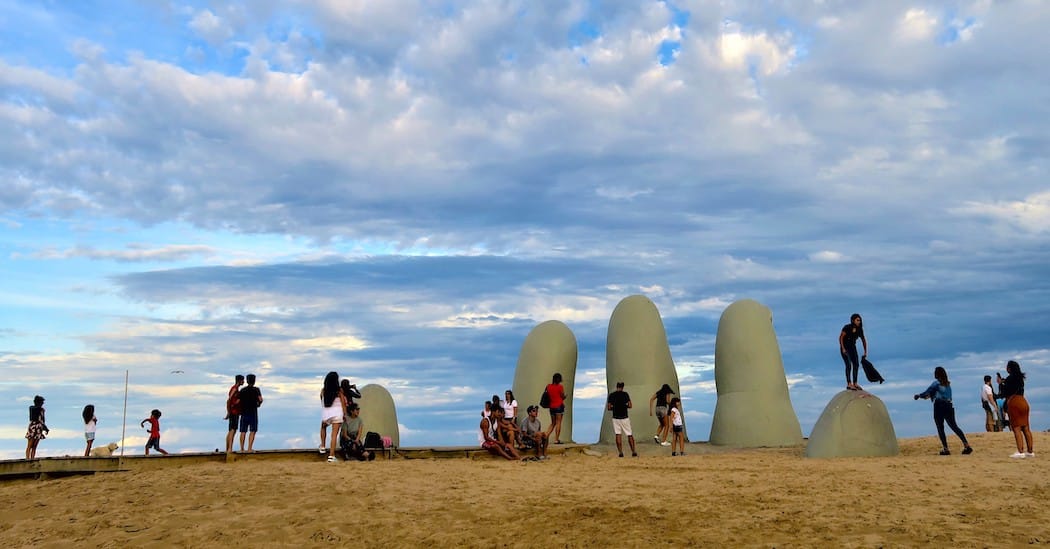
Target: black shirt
249, 399
853, 333
1014, 385
619, 401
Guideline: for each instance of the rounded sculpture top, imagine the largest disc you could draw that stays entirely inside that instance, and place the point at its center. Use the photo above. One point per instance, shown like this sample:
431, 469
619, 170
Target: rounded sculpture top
379, 412
746, 348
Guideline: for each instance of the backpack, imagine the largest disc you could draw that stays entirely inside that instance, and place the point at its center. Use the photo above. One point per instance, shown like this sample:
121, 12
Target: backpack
373, 440
545, 399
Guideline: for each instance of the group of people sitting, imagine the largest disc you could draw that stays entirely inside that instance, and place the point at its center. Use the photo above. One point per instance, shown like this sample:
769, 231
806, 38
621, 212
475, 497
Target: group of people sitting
343, 415
502, 436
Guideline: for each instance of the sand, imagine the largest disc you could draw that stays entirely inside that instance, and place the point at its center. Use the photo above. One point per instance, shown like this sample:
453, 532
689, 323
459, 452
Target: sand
742, 498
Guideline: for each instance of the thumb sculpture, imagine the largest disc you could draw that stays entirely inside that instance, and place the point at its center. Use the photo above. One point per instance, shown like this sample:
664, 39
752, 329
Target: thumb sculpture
636, 353
854, 424
754, 407
549, 348
378, 412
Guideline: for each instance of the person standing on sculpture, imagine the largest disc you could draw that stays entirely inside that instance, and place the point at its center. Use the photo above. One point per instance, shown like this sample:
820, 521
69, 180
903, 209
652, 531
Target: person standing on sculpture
991, 409
250, 399
37, 430
848, 348
233, 410
940, 391
1017, 409
619, 402
662, 399
556, 392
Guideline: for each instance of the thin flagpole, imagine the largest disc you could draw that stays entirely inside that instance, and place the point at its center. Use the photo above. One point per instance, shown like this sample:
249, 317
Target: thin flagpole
124, 425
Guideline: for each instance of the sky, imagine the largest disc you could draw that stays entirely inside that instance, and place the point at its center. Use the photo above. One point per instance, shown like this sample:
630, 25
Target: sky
401, 190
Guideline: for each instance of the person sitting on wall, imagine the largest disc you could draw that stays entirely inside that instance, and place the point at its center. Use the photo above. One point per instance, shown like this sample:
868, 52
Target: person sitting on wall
351, 435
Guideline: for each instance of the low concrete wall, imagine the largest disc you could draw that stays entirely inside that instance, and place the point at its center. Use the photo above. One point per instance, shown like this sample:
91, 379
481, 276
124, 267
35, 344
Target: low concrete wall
64, 466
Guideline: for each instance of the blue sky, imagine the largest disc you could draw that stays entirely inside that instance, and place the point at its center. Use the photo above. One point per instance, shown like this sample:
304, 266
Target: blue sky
400, 190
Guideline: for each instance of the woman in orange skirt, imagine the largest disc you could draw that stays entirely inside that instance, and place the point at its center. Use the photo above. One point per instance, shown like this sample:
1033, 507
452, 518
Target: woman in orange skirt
1017, 410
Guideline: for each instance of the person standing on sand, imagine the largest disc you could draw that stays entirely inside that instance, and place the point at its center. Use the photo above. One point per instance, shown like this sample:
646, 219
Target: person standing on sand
250, 399
940, 391
677, 427
37, 430
556, 393
489, 428
332, 406
1001, 383
991, 409
1017, 408
154, 432
662, 399
848, 348
618, 403
233, 410
90, 426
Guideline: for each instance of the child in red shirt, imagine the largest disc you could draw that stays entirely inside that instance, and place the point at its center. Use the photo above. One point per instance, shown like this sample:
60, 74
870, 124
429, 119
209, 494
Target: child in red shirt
154, 432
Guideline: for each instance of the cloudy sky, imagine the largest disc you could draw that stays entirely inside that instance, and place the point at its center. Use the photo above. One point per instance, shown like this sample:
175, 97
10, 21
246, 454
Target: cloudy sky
400, 190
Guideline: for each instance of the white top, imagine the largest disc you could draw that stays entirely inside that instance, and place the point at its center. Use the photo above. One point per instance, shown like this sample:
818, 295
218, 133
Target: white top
508, 409
90, 426
987, 395
676, 417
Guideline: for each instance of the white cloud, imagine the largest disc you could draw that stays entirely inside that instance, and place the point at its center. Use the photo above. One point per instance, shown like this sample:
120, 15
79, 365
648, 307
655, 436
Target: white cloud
211, 27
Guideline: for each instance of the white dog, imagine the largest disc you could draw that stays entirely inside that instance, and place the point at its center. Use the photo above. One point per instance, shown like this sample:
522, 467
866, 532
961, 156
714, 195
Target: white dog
104, 451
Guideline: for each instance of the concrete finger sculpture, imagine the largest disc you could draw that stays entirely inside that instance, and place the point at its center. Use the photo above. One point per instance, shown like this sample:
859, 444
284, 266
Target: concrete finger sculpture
636, 353
753, 408
379, 413
854, 424
549, 348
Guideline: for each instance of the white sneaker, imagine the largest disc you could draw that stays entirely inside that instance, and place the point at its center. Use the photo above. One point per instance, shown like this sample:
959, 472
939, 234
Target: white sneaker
321, 449
665, 443
332, 459
656, 439
1017, 455
1029, 454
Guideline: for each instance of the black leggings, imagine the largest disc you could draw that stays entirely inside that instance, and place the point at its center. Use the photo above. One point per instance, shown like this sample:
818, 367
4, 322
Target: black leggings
944, 411
852, 363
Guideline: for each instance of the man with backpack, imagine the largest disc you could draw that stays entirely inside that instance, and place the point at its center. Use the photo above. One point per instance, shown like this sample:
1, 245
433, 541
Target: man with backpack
233, 410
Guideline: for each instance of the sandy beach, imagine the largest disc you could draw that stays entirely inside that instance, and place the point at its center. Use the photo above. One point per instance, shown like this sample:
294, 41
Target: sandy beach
710, 497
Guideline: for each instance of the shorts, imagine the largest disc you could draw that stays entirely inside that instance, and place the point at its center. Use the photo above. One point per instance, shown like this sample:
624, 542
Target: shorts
661, 412
676, 428
622, 426
153, 443
89, 436
234, 420
559, 410
335, 420
249, 422
1017, 408
490, 444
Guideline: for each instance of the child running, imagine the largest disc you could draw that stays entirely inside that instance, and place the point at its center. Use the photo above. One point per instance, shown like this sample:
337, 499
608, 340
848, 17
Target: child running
154, 432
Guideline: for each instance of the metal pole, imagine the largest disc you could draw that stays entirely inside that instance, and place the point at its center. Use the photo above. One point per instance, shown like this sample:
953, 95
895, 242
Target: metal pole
124, 425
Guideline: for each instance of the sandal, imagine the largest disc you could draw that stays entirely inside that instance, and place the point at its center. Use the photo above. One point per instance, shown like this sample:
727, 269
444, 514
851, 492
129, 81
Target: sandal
331, 459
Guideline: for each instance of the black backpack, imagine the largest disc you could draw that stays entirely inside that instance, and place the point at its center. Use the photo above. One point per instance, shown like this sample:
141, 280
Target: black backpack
373, 440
